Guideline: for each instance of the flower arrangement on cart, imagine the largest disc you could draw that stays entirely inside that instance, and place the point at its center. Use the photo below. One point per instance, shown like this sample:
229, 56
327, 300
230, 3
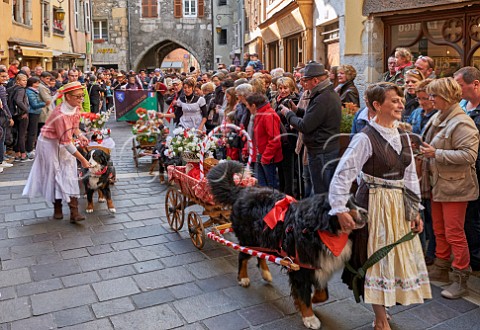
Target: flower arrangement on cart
148, 127
94, 125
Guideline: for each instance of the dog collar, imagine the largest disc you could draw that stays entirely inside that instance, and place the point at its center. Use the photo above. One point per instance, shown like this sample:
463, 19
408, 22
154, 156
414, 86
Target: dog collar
277, 213
99, 173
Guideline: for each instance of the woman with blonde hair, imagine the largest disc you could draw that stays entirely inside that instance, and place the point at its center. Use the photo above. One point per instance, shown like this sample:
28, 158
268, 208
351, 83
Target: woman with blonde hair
346, 89
232, 101
450, 150
413, 78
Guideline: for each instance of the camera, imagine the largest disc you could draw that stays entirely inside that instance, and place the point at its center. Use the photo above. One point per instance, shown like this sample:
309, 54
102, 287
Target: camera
286, 103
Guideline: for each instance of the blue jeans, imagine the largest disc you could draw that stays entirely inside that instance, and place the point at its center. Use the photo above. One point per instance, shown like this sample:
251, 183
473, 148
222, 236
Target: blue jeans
267, 175
322, 167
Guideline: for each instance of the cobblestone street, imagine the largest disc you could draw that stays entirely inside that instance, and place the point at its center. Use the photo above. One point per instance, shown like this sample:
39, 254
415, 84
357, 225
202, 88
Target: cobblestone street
131, 271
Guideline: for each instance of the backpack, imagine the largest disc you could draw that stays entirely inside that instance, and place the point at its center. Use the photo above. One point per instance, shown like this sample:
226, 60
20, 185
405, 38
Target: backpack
12, 105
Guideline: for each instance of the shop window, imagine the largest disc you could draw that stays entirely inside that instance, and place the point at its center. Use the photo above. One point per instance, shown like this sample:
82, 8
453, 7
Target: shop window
273, 60
22, 11
222, 37
451, 37
149, 8
58, 26
222, 2
100, 31
293, 52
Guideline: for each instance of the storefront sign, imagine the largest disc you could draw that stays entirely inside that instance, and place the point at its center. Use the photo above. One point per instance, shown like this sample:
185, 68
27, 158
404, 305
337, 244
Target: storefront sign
36, 52
106, 51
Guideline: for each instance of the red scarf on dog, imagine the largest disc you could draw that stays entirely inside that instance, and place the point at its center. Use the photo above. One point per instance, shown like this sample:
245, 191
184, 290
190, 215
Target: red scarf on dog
335, 243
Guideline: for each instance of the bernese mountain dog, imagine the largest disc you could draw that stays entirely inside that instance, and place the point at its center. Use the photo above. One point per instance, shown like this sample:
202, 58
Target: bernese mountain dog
98, 177
307, 234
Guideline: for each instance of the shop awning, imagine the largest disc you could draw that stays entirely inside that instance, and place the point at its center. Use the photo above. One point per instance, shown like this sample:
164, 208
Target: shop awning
36, 52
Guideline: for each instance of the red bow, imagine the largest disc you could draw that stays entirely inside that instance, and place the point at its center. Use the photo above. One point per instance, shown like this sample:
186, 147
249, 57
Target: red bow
277, 213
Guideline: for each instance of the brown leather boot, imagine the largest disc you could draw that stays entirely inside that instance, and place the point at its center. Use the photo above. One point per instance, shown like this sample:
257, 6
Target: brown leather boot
57, 213
439, 271
74, 214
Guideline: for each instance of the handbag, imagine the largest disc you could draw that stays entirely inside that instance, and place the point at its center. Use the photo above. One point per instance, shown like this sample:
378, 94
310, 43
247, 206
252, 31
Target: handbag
411, 204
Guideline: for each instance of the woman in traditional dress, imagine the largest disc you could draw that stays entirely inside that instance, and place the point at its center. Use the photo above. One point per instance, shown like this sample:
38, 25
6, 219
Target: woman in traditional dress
382, 157
194, 111
54, 172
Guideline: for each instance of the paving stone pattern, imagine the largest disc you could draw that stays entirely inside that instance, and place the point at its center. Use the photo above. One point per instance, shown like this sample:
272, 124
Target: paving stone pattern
131, 271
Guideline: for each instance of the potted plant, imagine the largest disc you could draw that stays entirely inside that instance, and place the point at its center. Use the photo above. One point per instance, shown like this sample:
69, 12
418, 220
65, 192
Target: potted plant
348, 113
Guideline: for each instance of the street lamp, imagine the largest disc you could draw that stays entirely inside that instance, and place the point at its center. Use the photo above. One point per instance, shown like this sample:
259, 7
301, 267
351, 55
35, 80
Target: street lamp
60, 12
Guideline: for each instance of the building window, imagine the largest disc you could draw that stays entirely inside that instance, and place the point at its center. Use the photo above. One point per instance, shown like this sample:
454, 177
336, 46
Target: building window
22, 11
76, 14
46, 17
222, 37
100, 31
190, 8
88, 17
58, 26
451, 37
222, 2
149, 8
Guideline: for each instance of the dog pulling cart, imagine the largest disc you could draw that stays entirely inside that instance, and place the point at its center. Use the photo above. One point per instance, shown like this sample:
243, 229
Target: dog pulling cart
187, 191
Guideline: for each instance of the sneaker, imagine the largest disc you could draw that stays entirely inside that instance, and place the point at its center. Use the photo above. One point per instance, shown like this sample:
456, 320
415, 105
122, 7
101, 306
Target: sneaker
1, 169
5, 164
26, 159
18, 159
31, 155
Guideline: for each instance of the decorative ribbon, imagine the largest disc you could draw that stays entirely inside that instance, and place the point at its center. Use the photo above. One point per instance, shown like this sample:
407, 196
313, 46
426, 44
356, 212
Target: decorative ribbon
277, 213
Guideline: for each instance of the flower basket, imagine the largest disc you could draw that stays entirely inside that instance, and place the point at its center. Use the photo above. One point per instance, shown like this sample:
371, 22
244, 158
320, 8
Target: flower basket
348, 113
187, 143
147, 127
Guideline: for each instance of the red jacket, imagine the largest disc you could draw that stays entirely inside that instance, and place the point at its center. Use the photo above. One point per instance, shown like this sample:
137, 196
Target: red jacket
266, 136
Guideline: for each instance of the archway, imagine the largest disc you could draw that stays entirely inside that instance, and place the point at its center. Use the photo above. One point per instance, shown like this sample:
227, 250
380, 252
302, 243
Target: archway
155, 56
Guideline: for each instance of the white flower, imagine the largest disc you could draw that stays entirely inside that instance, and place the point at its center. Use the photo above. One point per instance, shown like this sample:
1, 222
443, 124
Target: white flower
180, 149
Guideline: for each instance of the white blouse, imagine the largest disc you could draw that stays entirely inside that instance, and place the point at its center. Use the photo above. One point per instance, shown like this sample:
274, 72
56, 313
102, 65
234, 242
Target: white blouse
357, 154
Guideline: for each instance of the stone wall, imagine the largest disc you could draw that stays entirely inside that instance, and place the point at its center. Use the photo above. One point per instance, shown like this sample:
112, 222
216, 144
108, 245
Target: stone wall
115, 50
155, 38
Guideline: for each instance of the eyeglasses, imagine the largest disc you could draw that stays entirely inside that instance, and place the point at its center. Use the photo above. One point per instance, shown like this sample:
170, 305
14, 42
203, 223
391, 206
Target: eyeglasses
422, 99
305, 79
427, 59
78, 97
432, 95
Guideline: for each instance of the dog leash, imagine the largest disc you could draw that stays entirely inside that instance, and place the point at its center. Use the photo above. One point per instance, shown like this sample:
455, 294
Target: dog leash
374, 258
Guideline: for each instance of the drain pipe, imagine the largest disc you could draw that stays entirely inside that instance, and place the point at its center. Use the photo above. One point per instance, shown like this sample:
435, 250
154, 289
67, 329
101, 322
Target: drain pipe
129, 62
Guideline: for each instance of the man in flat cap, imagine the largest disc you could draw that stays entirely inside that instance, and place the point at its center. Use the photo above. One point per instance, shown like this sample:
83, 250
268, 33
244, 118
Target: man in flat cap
320, 124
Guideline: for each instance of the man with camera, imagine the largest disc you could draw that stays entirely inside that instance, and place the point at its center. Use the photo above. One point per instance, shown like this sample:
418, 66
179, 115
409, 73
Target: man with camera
320, 124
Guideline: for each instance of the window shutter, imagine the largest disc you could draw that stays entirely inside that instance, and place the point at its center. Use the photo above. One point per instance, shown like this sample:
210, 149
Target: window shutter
149, 8
201, 8
177, 9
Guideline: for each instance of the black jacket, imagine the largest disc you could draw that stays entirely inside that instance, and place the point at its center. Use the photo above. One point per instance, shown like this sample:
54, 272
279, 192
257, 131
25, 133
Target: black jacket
94, 92
320, 122
18, 95
349, 93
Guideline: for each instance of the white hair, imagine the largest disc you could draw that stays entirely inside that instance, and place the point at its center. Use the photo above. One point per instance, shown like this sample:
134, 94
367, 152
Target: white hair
277, 72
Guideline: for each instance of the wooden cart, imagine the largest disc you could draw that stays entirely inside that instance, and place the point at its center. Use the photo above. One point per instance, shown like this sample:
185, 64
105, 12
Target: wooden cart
187, 191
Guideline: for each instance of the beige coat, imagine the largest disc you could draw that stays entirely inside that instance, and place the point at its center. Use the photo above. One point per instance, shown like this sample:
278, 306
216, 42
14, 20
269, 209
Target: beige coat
45, 96
452, 171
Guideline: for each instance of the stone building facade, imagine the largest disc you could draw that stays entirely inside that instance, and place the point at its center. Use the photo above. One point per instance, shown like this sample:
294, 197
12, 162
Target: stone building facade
110, 34
136, 34
170, 26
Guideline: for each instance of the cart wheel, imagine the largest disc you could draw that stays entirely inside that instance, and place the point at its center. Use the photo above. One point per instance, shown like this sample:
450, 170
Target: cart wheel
196, 230
135, 152
175, 209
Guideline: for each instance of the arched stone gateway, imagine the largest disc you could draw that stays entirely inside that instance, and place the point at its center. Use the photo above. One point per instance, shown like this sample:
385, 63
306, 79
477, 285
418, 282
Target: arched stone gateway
153, 57
153, 38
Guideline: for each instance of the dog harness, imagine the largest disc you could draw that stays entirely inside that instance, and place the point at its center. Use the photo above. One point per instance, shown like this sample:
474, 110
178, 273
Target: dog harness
335, 243
99, 173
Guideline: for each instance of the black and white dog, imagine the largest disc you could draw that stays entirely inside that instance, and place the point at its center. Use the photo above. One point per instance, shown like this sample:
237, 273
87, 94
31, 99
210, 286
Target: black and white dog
307, 234
99, 177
